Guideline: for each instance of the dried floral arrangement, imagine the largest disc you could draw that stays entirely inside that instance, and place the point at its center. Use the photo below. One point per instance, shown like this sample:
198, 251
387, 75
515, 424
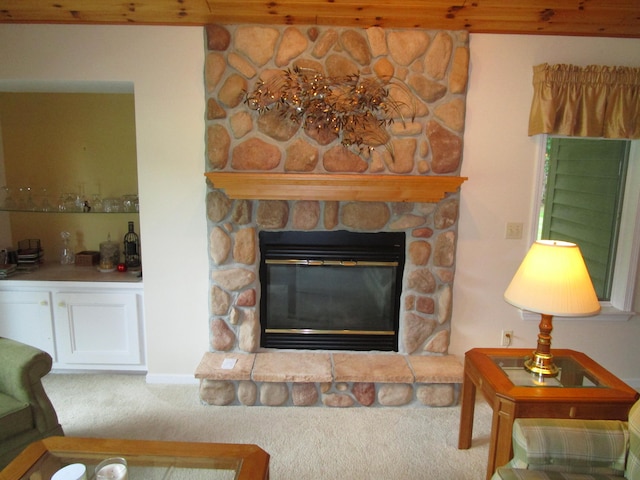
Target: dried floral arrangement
356, 108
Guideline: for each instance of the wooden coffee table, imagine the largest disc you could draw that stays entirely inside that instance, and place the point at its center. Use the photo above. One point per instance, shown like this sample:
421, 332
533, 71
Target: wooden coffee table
147, 460
583, 389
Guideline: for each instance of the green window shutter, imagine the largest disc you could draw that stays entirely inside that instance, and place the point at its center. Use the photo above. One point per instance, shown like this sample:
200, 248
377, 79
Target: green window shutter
583, 201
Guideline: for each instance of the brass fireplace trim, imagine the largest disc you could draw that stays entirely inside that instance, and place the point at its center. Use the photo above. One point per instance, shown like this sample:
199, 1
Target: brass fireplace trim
312, 331
330, 263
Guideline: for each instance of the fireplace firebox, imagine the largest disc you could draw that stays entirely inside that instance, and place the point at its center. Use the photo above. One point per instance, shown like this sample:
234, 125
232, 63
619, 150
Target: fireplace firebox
331, 290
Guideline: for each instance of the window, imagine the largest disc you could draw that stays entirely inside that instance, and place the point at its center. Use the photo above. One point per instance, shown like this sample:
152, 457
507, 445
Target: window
582, 201
590, 197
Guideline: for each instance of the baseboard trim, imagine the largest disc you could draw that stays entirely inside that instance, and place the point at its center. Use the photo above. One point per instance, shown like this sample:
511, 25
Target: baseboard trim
177, 379
633, 383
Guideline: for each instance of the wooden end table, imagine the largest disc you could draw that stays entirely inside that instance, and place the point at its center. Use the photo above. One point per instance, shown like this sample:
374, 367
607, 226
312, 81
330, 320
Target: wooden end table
583, 389
147, 460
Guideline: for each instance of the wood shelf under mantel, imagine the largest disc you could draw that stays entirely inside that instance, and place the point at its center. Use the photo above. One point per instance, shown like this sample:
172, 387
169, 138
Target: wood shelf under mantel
337, 187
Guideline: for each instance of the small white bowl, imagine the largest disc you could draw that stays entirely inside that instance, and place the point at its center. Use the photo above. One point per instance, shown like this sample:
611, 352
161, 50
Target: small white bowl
75, 471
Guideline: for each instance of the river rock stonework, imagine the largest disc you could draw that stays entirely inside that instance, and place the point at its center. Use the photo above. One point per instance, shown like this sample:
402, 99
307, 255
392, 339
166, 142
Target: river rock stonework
433, 67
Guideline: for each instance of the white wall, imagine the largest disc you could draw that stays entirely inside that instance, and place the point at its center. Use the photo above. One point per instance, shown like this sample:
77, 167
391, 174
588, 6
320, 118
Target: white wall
499, 159
166, 64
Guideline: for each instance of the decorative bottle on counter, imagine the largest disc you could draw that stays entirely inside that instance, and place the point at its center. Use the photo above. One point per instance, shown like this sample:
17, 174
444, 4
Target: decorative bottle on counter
67, 257
131, 248
109, 255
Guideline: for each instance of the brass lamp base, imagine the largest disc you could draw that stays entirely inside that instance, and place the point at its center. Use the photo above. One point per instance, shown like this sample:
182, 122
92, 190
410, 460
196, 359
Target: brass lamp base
541, 364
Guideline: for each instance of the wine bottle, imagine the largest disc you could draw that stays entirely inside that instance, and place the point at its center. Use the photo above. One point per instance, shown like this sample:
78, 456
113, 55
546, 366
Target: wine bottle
131, 248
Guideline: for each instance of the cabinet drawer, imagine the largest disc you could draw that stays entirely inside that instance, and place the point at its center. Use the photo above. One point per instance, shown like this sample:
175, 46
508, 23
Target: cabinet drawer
582, 410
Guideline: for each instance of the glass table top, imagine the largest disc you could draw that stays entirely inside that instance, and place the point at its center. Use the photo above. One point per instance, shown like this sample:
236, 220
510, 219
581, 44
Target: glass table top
140, 467
571, 373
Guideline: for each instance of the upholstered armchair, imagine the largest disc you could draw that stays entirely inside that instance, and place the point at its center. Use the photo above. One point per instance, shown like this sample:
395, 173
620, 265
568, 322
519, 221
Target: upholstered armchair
26, 413
574, 449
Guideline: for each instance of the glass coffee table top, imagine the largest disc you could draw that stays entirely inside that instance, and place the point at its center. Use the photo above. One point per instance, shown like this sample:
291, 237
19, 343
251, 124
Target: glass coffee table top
140, 467
571, 373
146, 460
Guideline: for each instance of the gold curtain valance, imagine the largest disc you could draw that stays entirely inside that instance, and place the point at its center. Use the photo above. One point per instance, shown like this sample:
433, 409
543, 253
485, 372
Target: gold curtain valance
593, 101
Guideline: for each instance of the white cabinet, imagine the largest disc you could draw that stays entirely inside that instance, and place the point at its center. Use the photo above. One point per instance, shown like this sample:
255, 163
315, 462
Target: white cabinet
97, 328
25, 316
83, 325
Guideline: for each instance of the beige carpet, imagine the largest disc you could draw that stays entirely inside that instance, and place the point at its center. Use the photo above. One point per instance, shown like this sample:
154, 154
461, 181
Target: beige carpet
304, 442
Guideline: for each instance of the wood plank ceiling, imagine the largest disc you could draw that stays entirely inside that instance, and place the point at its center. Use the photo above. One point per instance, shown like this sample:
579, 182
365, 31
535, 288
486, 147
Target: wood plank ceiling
601, 18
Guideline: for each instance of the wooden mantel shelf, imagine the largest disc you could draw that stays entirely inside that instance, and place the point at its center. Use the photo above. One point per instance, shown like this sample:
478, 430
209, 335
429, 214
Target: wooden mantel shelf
339, 187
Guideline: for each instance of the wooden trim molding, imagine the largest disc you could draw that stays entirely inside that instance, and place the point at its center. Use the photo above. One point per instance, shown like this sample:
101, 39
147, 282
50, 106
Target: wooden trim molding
598, 18
338, 187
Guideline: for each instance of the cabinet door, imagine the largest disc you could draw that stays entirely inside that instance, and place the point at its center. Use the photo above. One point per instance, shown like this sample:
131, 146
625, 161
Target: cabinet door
25, 316
98, 328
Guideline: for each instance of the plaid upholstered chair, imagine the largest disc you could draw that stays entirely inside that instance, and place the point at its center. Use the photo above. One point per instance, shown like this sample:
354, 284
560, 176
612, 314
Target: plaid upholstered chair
555, 449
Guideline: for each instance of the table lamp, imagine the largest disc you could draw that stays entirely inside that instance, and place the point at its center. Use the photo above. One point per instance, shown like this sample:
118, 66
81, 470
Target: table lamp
552, 280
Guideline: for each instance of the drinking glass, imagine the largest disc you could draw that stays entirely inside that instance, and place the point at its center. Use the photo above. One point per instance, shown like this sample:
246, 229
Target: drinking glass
112, 205
68, 202
25, 199
112, 469
130, 203
96, 203
45, 203
8, 203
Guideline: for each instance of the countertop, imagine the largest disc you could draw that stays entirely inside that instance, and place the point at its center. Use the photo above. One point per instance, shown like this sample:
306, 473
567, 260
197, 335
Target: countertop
73, 273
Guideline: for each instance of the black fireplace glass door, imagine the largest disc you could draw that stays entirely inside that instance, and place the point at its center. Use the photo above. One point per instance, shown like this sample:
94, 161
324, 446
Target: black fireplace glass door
331, 297
333, 290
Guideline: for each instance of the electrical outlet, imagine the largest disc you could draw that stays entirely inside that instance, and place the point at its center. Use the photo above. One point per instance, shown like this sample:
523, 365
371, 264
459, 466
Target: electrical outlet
506, 338
513, 231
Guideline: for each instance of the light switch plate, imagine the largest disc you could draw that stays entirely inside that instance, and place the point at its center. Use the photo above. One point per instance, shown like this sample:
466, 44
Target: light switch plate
513, 231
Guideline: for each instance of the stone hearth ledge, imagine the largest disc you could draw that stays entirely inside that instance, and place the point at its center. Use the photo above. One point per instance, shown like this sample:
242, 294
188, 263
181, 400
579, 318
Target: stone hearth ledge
331, 379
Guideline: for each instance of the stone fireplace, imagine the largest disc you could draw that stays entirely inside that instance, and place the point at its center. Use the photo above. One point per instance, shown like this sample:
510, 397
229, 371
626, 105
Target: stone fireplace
434, 67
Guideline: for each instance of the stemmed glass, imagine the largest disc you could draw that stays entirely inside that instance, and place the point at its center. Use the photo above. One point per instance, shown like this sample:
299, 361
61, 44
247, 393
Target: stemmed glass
9, 203
96, 203
25, 199
45, 203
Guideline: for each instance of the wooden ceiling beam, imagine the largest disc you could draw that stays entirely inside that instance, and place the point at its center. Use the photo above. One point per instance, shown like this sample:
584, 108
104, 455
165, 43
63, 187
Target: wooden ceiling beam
605, 18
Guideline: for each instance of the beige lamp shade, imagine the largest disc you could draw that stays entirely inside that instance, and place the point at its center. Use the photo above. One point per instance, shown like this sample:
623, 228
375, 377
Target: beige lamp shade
553, 280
